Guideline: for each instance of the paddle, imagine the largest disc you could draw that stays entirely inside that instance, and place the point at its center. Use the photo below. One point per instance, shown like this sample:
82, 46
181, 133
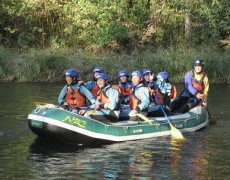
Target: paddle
175, 132
40, 103
211, 119
144, 118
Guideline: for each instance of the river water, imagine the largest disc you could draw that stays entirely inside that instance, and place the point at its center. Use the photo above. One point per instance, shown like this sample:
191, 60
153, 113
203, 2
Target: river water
203, 155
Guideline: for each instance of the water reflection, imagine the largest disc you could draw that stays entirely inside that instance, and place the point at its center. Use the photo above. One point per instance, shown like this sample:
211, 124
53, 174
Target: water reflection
50, 146
203, 155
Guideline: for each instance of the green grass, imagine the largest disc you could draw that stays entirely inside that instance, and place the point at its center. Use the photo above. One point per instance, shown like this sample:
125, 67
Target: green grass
49, 65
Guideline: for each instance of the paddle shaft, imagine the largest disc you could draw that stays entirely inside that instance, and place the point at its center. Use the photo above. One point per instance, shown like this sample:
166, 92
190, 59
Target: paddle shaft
206, 108
162, 108
175, 132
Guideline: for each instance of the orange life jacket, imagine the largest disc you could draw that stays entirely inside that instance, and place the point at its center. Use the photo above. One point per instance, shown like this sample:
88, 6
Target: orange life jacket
151, 92
198, 85
75, 98
95, 90
164, 99
134, 101
173, 92
123, 92
101, 95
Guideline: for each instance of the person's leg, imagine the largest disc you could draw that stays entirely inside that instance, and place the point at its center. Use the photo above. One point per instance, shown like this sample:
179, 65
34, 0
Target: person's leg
178, 103
103, 115
154, 111
191, 103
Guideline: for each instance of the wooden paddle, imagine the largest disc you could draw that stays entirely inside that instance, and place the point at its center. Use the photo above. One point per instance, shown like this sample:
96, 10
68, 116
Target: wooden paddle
211, 119
175, 132
40, 103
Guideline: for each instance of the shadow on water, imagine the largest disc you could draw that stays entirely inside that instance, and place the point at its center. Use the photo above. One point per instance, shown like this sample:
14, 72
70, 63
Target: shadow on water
50, 146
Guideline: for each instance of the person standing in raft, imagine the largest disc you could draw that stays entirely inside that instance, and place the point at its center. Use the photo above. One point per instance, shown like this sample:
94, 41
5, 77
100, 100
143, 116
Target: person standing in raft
139, 98
195, 92
74, 94
107, 106
92, 85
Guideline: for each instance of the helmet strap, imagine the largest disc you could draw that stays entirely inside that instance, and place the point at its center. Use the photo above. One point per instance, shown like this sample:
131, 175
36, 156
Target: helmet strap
75, 81
198, 73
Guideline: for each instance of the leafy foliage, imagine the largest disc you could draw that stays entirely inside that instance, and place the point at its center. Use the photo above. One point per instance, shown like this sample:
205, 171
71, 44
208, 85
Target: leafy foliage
110, 23
50, 65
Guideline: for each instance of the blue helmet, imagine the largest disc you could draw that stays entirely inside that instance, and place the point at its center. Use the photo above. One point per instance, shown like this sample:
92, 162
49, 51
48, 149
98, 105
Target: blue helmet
163, 75
98, 69
72, 73
102, 75
136, 73
123, 73
146, 71
199, 63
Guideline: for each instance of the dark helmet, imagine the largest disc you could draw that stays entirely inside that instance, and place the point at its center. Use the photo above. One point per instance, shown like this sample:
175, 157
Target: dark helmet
123, 73
72, 72
147, 71
163, 75
199, 63
102, 75
98, 69
136, 73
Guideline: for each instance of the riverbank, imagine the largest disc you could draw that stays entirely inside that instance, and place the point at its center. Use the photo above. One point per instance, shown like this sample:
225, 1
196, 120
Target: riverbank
49, 65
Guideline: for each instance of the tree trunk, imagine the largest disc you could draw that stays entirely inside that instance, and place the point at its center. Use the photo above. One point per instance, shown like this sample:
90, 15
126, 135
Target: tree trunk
187, 22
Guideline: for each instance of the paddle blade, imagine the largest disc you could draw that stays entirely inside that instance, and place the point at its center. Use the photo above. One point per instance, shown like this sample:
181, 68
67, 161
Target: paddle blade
93, 112
144, 118
176, 133
40, 103
212, 119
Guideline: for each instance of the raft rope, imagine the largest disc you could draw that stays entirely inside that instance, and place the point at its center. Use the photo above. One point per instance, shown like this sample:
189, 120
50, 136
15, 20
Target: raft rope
47, 106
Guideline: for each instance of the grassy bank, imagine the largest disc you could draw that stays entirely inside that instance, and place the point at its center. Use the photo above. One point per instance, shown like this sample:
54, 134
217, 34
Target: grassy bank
50, 64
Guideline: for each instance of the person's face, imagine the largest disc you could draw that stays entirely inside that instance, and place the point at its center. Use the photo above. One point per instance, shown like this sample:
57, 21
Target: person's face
69, 79
136, 80
147, 77
123, 79
96, 73
101, 82
198, 69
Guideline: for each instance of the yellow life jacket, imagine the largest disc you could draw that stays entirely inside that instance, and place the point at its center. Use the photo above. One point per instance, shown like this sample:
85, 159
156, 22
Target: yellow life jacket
198, 84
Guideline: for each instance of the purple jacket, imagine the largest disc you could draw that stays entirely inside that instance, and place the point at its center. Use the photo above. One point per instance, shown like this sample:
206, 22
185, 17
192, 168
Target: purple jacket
188, 83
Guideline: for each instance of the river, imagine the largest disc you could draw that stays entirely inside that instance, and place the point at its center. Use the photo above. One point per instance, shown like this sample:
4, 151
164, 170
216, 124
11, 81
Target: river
203, 155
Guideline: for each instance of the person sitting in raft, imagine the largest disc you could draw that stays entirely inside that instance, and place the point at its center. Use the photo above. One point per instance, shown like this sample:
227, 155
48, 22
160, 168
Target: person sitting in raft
148, 78
162, 95
195, 92
107, 102
139, 98
92, 85
74, 94
148, 81
124, 86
